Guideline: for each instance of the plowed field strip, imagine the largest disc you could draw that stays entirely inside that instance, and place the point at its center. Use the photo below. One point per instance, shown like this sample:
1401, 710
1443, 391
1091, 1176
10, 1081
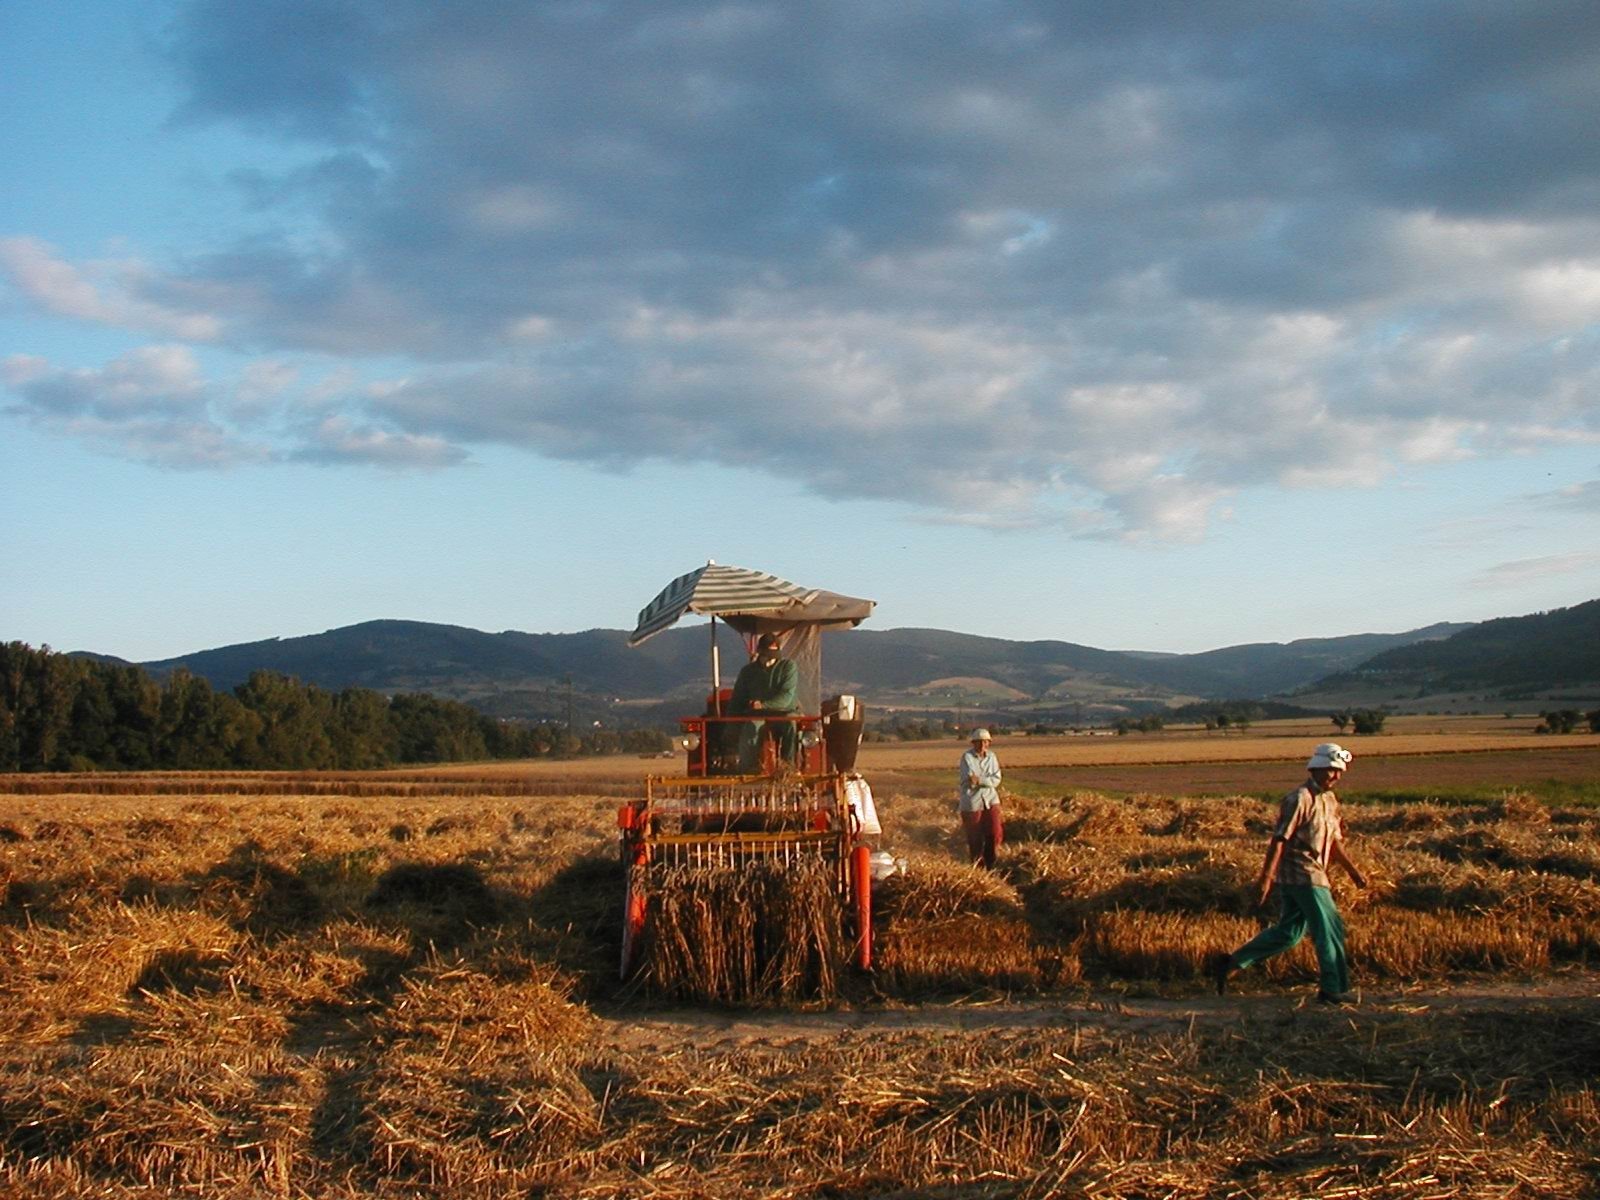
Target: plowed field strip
1438, 774
1209, 748
1474, 772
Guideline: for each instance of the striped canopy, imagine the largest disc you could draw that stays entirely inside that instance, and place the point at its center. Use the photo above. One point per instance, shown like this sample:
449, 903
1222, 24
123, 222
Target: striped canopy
719, 591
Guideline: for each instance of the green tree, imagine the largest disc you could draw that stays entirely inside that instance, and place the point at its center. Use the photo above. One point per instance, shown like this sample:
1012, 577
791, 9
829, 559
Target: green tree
14, 662
562, 743
58, 712
293, 734
200, 728
363, 732
1559, 721
87, 741
136, 716
646, 741
1368, 720
37, 690
428, 729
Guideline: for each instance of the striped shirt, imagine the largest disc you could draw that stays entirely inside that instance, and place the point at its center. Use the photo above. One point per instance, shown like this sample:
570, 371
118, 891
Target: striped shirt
1308, 826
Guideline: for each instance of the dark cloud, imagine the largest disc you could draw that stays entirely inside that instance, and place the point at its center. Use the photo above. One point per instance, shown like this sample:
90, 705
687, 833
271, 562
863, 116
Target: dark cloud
1081, 264
303, 67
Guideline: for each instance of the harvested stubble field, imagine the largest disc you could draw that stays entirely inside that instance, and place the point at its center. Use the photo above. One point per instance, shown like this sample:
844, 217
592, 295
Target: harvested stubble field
397, 985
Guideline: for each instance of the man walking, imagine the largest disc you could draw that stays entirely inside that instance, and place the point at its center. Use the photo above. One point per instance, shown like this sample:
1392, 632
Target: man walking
1307, 839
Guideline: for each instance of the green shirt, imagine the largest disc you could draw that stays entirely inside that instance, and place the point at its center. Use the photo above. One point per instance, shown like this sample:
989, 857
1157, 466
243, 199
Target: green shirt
777, 687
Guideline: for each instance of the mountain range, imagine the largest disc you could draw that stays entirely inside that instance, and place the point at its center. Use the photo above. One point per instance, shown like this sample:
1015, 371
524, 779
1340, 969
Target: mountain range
594, 673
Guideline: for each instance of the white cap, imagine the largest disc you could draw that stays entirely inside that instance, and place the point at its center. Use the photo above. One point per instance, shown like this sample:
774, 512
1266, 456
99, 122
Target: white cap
980, 735
1330, 754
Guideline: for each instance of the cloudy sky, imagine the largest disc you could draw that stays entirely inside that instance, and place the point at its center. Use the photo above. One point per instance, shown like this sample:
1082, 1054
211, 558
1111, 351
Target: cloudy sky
1151, 326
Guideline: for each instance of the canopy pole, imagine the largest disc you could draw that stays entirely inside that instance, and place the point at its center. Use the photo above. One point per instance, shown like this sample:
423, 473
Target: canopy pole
716, 671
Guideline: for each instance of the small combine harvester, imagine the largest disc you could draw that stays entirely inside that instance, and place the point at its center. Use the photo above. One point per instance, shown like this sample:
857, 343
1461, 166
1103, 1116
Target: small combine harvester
765, 795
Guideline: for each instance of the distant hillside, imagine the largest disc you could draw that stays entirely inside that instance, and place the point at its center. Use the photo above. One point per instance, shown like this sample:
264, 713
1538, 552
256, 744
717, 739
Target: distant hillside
1560, 648
507, 674
904, 658
1270, 668
539, 674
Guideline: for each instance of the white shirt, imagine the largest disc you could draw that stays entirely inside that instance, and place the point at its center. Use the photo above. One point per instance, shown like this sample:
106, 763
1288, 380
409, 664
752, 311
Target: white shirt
986, 767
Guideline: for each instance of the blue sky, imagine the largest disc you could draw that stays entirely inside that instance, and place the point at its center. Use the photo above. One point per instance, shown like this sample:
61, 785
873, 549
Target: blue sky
1168, 327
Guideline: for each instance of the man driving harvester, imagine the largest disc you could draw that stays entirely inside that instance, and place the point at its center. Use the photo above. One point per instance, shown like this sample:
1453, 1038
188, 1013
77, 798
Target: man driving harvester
767, 686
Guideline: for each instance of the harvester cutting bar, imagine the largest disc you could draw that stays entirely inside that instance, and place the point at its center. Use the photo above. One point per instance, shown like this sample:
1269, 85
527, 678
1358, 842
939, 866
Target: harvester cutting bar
733, 822
729, 821
736, 849
764, 793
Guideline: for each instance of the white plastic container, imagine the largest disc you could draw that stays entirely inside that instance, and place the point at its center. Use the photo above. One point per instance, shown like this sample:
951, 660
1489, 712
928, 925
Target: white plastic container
885, 864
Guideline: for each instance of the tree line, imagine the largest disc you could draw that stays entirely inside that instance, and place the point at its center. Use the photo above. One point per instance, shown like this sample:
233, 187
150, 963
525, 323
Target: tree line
59, 713
1565, 720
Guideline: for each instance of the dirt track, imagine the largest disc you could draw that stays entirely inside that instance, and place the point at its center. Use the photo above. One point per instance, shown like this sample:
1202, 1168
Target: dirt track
704, 1029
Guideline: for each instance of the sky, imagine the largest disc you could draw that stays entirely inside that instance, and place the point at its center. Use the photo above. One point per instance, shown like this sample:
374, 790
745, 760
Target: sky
1160, 326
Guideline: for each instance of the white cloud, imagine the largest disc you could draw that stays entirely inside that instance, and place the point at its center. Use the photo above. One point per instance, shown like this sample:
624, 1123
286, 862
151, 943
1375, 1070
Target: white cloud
530, 328
1584, 497
172, 443
263, 386
1534, 570
151, 380
151, 405
69, 291
511, 210
154, 405
1562, 295
336, 441
1435, 440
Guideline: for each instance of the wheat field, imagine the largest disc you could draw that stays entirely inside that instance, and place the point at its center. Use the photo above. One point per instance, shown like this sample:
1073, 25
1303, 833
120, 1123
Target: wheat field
403, 984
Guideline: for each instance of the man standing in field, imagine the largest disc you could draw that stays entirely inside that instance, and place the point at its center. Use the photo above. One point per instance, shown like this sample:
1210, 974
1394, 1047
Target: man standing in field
1307, 839
978, 782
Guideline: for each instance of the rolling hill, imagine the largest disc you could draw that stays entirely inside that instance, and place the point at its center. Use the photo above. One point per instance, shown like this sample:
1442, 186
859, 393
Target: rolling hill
1511, 656
535, 675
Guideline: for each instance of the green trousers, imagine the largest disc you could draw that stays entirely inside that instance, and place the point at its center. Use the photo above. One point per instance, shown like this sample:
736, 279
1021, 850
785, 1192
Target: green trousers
751, 735
1305, 909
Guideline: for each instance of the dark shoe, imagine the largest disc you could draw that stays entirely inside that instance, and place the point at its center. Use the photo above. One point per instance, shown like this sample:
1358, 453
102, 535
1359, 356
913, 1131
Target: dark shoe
1341, 999
1219, 971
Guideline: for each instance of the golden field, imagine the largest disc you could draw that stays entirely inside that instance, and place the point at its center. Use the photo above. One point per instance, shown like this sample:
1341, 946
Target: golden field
403, 984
